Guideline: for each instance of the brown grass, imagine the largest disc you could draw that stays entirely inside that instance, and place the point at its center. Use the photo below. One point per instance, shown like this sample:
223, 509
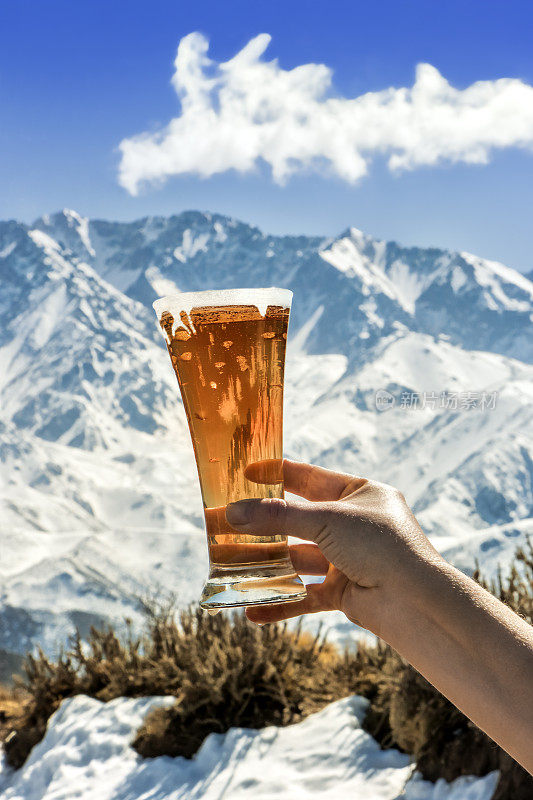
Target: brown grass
223, 671
13, 704
234, 674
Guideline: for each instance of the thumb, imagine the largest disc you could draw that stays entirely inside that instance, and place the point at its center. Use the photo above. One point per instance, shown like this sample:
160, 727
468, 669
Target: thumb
272, 516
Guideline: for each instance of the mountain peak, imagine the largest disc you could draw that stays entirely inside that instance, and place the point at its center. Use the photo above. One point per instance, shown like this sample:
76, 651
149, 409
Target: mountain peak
72, 215
70, 229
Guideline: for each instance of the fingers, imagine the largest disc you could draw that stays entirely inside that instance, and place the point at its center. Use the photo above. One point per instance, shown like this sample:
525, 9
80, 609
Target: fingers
313, 603
273, 516
268, 471
314, 483
308, 560
306, 480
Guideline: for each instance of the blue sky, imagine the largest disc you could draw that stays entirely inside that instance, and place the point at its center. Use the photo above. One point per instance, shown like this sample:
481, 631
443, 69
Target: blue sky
78, 78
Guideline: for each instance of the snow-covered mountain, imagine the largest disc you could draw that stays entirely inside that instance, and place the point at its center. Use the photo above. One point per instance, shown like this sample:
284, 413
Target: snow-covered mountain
100, 503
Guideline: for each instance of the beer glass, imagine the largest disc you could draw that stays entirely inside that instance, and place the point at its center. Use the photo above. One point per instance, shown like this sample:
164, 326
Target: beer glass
228, 352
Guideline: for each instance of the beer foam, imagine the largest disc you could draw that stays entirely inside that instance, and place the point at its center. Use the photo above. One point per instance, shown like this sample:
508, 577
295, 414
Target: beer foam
260, 298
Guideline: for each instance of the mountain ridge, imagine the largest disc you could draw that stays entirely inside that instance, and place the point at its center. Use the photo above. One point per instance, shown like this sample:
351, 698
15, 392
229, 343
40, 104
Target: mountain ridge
99, 496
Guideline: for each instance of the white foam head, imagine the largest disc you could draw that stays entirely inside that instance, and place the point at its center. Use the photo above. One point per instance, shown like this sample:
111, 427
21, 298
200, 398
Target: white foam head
260, 298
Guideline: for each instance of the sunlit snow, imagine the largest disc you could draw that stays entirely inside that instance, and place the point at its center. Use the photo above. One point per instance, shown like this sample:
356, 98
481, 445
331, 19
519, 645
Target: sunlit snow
86, 754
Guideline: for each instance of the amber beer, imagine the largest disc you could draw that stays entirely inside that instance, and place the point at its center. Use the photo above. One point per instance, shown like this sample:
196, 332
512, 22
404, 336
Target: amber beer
228, 352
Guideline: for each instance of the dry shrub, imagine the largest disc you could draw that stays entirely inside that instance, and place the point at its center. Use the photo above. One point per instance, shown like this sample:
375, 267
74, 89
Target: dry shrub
516, 589
223, 671
234, 674
104, 668
13, 703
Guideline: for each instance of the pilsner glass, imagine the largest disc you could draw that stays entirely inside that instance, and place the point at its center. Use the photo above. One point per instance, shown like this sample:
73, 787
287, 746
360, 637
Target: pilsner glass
228, 352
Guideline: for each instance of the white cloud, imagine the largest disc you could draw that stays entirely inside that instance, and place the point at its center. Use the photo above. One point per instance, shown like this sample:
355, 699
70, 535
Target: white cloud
235, 113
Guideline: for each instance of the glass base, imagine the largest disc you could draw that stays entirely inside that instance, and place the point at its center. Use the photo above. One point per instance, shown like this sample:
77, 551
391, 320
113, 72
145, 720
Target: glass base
248, 585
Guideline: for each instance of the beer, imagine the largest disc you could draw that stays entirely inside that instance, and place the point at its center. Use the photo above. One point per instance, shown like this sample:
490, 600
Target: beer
228, 352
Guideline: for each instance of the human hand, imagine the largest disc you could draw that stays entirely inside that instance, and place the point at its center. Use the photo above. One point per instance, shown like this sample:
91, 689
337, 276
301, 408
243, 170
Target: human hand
359, 534
383, 573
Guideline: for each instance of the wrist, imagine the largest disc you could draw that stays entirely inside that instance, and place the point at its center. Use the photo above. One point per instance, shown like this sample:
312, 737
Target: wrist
413, 602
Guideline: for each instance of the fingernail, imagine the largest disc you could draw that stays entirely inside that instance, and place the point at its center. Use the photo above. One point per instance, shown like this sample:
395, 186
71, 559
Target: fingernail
239, 513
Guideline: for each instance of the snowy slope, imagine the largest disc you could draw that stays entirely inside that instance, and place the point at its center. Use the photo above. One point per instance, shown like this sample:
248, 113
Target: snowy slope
478, 304
99, 500
86, 754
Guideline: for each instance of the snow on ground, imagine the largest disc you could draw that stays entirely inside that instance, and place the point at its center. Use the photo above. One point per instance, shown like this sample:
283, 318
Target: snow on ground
85, 755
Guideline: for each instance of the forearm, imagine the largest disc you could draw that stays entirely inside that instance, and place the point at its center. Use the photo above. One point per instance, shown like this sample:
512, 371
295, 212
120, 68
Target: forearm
471, 647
